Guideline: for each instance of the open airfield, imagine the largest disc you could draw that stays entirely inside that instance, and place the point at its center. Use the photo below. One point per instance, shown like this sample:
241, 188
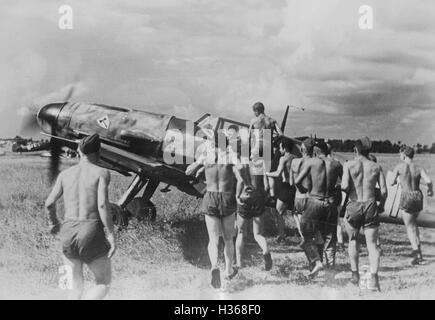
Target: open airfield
168, 259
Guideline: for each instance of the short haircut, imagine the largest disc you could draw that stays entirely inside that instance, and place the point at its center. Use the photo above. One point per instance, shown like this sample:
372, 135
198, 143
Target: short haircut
234, 127
323, 147
409, 152
361, 149
259, 107
287, 144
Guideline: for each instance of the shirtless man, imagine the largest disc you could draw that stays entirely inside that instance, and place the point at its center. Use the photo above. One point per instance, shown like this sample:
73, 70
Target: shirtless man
251, 200
334, 171
256, 127
324, 174
85, 192
218, 204
301, 196
360, 177
286, 195
411, 200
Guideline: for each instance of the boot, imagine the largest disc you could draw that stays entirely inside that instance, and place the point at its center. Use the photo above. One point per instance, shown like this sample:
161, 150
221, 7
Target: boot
373, 283
415, 259
267, 261
355, 278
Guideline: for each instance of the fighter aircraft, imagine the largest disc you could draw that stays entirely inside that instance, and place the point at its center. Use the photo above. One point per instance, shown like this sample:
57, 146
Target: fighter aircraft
134, 143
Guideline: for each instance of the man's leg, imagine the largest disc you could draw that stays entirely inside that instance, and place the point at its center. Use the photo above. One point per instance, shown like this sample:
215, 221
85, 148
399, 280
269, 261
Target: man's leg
330, 236
297, 217
101, 268
309, 245
76, 277
261, 240
353, 251
213, 228
374, 256
411, 229
228, 233
281, 208
242, 225
410, 220
257, 230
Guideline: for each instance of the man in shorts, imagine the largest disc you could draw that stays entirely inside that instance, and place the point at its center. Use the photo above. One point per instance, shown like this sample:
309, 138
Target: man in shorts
286, 193
301, 196
260, 143
317, 208
85, 192
251, 199
218, 204
360, 177
411, 200
334, 171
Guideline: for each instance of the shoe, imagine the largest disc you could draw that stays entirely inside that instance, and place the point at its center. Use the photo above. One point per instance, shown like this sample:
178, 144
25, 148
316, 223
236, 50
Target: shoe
355, 278
373, 283
415, 258
216, 278
267, 261
232, 275
317, 267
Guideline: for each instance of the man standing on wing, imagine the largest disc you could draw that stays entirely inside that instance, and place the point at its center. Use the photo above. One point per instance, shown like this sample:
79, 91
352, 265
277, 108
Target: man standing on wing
360, 177
259, 143
85, 192
411, 200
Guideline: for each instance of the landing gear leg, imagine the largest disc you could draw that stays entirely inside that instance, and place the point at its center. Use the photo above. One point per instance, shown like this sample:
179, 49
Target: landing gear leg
134, 188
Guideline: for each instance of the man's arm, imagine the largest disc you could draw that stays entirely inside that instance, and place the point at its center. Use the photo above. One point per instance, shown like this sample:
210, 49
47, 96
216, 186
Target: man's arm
279, 170
278, 129
191, 168
383, 186
240, 182
305, 170
50, 205
428, 181
395, 175
345, 179
103, 210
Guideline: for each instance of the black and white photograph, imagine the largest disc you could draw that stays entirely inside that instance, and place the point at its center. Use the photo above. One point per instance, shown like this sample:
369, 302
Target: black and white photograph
216, 150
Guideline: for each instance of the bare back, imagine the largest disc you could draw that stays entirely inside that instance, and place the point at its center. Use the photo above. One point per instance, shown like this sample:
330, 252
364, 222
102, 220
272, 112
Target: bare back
317, 172
410, 175
287, 159
219, 177
80, 191
334, 170
295, 168
363, 174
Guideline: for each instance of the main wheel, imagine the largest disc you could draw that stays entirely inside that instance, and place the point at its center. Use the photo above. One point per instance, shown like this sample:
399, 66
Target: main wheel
142, 211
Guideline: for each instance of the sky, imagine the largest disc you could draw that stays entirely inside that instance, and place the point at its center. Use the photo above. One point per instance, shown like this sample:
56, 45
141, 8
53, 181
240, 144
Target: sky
189, 57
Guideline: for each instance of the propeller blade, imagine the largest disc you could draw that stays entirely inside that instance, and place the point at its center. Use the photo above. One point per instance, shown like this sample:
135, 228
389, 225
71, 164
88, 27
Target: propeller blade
284, 120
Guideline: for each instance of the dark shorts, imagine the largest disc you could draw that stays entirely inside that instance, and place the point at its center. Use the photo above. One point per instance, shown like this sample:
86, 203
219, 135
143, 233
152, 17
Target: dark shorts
286, 194
362, 214
84, 240
299, 206
411, 201
219, 204
253, 203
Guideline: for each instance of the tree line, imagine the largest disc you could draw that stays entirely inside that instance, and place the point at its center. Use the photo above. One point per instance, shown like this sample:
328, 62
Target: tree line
379, 146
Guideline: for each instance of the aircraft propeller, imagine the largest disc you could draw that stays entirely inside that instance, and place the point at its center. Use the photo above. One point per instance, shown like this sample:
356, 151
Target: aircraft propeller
30, 127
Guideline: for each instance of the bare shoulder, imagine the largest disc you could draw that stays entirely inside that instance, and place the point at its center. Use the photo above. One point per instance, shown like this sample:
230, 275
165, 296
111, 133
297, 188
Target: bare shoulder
71, 171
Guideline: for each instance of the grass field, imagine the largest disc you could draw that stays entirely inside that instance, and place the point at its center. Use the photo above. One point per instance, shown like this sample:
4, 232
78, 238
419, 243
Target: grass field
168, 259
